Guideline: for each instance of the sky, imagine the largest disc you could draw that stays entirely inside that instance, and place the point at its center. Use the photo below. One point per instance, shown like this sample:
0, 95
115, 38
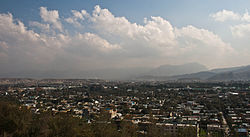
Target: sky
82, 35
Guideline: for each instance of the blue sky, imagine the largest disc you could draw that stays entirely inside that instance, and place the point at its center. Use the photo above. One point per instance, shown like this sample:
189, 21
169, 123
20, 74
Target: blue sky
179, 12
49, 34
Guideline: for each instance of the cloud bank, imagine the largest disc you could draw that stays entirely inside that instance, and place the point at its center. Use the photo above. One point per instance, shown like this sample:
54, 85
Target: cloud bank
102, 40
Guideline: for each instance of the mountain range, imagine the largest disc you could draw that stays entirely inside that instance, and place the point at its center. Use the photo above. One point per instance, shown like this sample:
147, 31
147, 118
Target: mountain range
189, 71
171, 70
222, 74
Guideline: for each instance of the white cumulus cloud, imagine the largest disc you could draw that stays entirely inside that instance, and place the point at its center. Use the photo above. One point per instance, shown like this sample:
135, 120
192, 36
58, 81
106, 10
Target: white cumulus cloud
77, 18
51, 16
241, 30
225, 15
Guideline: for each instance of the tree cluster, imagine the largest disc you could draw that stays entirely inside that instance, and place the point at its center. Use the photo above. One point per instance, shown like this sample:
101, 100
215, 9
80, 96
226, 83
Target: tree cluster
18, 121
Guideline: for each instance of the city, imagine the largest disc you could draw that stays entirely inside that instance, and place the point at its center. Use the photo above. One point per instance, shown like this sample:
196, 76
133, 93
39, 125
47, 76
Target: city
213, 109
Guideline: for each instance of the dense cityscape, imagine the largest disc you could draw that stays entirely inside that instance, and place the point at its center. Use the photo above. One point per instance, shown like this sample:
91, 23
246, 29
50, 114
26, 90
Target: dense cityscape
151, 108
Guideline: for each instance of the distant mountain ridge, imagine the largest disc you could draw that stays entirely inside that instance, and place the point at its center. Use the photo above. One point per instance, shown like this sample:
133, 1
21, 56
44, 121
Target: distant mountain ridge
223, 74
171, 70
221, 70
241, 73
189, 71
111, 73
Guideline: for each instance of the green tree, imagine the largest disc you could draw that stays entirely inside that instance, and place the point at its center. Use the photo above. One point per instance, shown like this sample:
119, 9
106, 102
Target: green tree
15, 121
203, 133
128, 129
63, 126
187, 132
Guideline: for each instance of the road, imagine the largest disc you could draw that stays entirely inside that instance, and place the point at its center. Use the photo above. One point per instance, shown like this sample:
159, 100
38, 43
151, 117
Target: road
225, 125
